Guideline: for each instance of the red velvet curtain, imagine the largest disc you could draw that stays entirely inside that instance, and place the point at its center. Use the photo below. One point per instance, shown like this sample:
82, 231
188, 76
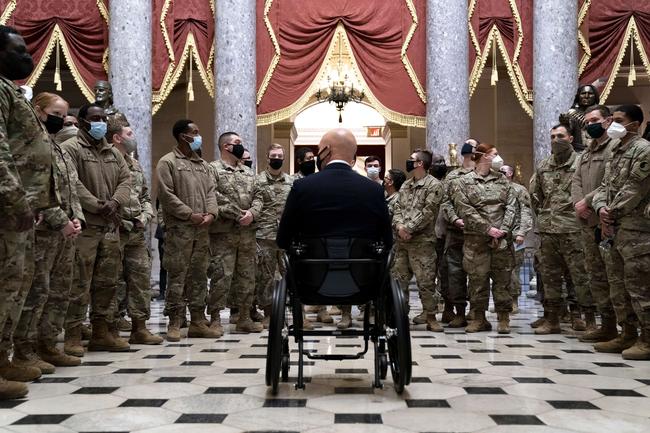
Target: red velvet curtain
376, 31
83, 28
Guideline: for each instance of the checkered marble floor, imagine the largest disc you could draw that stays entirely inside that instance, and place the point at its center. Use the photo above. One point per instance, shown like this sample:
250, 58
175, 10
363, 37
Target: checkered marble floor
461, 382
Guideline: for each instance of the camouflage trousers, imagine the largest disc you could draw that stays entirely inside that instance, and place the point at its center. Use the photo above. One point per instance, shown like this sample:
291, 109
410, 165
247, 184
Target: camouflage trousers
186, 260
596, 273
97, 263
16, 273
559, 252
134, 280
45, 308
267, 271
442, 280
232, 269
419, 259
482, 263
456, 275
515, 279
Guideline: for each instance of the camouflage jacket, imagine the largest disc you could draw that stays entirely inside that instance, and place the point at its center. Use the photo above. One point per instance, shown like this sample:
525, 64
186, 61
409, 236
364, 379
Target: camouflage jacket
417, 207
234, 192
447, 208
184, 187
589, 175
65, 179
138, 207
484, 202
270, 195
26, 181
523, 211
625, 189
103, 175
550, 193
391, 202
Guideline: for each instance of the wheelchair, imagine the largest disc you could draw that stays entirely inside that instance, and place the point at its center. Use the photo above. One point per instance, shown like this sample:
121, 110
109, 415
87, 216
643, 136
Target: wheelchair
340, 271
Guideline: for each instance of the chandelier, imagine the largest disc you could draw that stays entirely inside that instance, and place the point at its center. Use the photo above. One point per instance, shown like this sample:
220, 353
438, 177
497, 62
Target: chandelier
339, 88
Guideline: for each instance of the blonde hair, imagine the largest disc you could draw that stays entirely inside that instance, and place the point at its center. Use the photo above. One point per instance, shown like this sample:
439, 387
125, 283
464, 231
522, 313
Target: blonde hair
272, 147
45, 99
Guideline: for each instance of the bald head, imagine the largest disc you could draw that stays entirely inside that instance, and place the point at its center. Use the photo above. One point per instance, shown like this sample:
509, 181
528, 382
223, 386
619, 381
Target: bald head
338, 144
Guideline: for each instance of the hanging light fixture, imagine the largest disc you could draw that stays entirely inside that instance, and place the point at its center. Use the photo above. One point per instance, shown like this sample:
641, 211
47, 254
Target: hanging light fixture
190, 84
495, 72
339, 88
57, 69
631, 77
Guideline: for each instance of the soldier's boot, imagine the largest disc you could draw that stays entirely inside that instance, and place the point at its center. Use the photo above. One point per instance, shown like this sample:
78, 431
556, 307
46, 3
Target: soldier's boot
539, 322
72, 342
432, 323
503, 327
234, 316
551, 325
123, 324
86, 332
346, 317
246, 324
448, 313
141, 335
459, 319
624, 341
479, 323
10, 389
199, 326
174, 329
641, 349
103, 339
115, 332
255, 315
323, 316
515, 305
421, 318
606, 332
12, 372
577, 324
215, 326
565, 315
334, 310
25, 356
267, 317
48, 352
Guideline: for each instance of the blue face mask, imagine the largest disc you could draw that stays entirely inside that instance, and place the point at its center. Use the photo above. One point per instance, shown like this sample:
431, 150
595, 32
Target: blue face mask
97, 130
196, 143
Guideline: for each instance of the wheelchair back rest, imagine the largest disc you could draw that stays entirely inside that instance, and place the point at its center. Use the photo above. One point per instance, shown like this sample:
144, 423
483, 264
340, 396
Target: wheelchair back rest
338, 268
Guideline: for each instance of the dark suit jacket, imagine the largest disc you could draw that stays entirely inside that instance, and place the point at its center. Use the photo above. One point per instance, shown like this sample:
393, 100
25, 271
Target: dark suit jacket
335, 202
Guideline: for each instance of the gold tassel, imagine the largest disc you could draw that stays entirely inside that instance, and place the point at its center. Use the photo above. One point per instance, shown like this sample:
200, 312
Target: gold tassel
495, 73
57, 70
631, 77
190, 84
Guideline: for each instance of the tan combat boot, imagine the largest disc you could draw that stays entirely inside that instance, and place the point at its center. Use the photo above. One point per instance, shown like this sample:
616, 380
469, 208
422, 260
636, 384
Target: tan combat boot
577, 324
460, 321
174, 329
141, 335
479, 323
86, 332
12, 372
246, 324
551, 325
123, 324
346, 317
503, 327
25, 356
48, 352
515, 305
10, 389
199, 326
255, 315
432, 323
234, 316
447, 313
606, 332
539, 322
323, 316
641, 349
334, 310
267, 317
624, 341
72, 344
421, 318
103, 339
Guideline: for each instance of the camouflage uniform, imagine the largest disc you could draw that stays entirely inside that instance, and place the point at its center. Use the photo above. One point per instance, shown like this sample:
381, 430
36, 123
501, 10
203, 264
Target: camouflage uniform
483, 202
185, 187
270, 195
560, 233
587, 178
416, 209
103, 176
26, 185
391, 202
134, 287
44, 311
626, 193
523, 225
232, 247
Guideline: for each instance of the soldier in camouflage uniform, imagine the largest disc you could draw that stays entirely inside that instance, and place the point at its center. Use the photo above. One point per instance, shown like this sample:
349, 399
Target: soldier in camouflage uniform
560, 233
136, 213
187, 200
25, 189
232, 236
487, 204
587, 178
103, 188
270, 194
414, 220
45, 308
393, 181
623, 205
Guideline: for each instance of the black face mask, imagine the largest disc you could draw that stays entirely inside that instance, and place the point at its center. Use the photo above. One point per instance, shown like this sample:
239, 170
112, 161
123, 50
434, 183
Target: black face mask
53, 124
410, 165
275, 163
308, 167
595, 130
18, 66
439, 170
319, 160
248, 163
238, 150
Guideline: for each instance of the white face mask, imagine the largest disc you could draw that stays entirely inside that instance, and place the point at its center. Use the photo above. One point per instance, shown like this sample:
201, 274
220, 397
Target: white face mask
616, 130
497, 162
373, 172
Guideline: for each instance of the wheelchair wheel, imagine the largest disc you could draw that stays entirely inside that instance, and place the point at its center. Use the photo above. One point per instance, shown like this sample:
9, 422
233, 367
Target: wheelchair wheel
285, 359
276, 341
399, 343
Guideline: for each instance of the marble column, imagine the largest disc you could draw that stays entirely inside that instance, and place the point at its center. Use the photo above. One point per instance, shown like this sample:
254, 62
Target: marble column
130, 69
447, 74
235, 78
555, 67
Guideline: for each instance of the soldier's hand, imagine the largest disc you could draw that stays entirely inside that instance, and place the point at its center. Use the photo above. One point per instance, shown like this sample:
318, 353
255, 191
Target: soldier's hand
519, 240
70, 231
207, 220
605, 216
246, 219
109, 208
138, 225
583, 210
495, 233
196, 219
459, 223
607, 231
24, 221
77, 224
403, 233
